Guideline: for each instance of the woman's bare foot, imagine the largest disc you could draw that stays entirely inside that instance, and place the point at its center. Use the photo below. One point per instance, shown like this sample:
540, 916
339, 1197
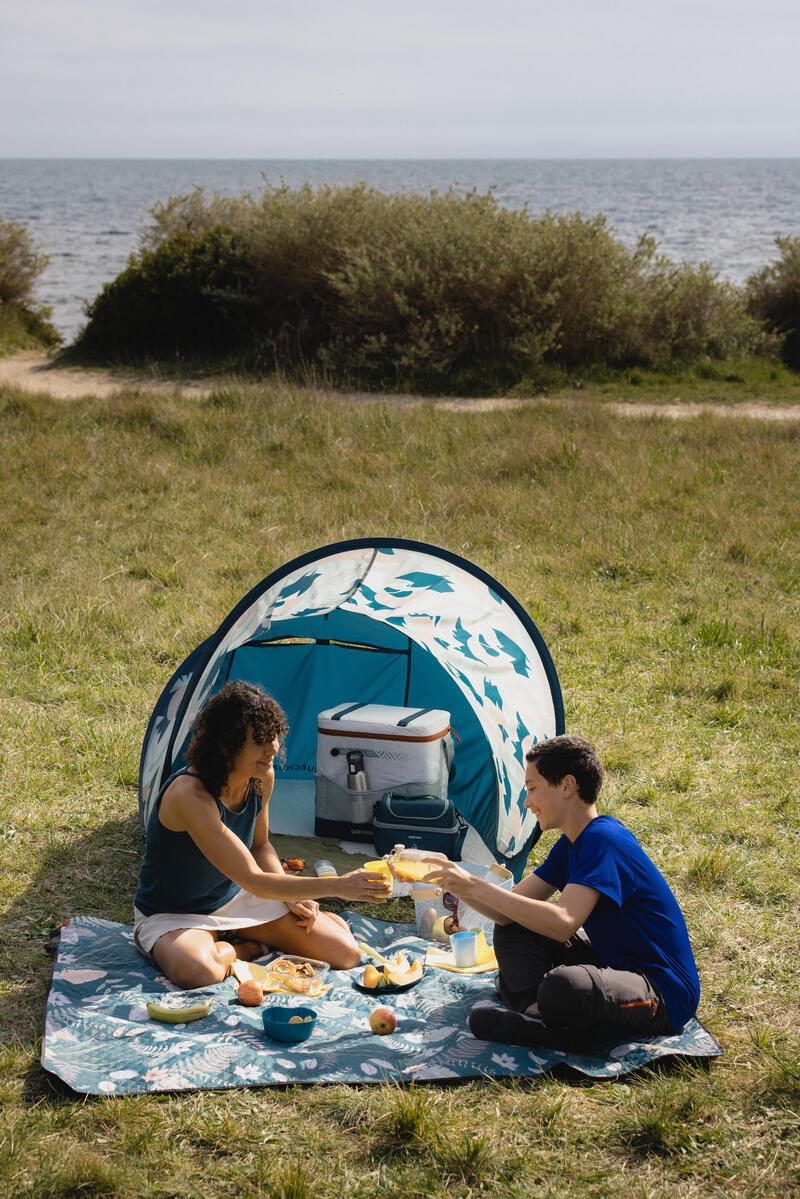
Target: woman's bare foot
248, 951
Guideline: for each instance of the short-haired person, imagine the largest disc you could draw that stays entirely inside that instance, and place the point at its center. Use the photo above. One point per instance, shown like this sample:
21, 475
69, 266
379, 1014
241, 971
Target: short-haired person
209, 870
611, 959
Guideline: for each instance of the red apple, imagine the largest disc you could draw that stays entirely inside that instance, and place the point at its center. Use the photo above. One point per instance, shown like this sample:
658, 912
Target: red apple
382, 1021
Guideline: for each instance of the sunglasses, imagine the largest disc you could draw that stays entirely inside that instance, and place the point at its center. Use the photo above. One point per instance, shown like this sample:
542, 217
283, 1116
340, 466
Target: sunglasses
450, 904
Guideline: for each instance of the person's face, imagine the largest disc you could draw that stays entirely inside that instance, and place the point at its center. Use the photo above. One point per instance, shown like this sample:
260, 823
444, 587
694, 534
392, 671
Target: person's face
254, 760
545, 800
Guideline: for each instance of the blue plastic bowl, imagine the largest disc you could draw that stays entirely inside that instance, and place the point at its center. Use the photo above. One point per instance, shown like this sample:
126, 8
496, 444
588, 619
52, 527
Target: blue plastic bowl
277, 1026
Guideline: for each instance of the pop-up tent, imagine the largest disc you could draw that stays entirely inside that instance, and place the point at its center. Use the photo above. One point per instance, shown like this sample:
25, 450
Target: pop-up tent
387, 621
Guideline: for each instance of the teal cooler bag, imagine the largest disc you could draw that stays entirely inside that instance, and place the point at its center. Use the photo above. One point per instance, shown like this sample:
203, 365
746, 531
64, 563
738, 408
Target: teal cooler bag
422, 822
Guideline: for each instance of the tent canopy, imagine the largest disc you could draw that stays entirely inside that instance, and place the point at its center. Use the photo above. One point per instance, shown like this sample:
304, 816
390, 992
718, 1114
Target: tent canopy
382, 621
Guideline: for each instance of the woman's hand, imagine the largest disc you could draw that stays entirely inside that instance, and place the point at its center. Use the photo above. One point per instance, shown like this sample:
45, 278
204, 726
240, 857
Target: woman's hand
363, 887
306, 911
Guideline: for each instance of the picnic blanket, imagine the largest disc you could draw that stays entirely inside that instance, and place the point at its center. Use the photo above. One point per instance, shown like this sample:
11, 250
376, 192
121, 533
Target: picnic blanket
100, 1040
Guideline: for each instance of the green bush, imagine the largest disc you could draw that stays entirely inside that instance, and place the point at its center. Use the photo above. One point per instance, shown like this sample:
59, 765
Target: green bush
187, 295
23, 322
773, 297
398, 290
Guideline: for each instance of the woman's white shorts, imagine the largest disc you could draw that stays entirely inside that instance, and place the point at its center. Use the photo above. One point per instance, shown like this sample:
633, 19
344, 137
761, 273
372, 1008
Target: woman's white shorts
243, 911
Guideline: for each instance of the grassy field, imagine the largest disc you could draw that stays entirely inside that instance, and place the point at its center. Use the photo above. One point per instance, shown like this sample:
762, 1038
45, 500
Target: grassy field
661, 561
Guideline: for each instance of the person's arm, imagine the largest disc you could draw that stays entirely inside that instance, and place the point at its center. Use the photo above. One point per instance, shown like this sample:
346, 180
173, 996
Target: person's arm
266, 857
262, 848
532, 887
526, 904
188, 807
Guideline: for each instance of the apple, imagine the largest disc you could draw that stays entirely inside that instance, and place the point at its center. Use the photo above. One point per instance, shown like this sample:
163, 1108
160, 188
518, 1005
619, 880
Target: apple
251, 992
382, 1021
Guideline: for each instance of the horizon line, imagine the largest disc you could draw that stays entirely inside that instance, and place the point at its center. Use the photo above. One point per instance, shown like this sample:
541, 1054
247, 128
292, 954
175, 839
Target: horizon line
400, 158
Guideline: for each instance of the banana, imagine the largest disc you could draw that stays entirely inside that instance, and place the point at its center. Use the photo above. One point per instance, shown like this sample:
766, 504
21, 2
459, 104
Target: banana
178, 1015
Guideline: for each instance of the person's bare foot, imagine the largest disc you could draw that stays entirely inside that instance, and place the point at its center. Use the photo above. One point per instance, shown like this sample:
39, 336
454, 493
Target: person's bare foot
248, 951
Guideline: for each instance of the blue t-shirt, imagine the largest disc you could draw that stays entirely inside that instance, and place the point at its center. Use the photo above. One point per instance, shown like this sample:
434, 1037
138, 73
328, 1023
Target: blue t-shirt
636, 923
175, 876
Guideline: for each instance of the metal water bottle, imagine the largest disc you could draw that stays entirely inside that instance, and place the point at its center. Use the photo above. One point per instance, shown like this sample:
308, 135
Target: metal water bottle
356, 774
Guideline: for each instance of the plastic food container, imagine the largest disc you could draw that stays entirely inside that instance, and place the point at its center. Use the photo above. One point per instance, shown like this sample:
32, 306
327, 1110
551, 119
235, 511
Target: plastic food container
438, 915
289, 1024
296, 973
411, 865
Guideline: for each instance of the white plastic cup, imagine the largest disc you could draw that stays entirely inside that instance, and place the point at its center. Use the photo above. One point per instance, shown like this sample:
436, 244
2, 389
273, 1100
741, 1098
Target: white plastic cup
465, 949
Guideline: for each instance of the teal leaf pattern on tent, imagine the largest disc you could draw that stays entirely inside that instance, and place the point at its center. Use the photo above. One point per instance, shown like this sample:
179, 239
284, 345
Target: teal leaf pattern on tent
427, 582
490, 650
514, 652
373, 600
505, 791
462, 638
492, 693
465, 680
299, 586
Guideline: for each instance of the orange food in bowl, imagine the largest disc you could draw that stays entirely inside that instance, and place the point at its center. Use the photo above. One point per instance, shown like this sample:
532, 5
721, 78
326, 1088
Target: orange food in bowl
251, 992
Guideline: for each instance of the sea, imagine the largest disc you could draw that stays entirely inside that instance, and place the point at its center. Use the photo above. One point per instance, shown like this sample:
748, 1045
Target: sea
88, 215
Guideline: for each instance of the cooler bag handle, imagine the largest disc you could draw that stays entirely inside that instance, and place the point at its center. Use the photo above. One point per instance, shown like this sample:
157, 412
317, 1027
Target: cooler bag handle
346, 711
449, 751
401, 724
414, 800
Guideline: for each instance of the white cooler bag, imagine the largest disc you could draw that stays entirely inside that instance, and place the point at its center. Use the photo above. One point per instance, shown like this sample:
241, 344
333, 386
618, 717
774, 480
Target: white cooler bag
365, 750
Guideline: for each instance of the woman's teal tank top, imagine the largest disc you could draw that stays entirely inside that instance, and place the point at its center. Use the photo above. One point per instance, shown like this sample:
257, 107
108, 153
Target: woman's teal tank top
175, 876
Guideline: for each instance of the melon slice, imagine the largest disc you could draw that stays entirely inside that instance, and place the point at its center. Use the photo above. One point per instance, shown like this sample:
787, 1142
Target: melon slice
401, 975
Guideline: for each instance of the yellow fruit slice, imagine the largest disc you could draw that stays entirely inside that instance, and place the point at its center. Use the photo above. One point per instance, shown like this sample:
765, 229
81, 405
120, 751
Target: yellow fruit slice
409, 974
372, 977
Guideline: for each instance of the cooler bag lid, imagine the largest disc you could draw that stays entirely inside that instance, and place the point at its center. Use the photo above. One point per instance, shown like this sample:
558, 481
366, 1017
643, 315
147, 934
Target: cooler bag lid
384, 720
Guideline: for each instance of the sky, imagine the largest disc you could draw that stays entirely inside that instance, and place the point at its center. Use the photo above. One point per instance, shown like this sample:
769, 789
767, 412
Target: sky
384, 79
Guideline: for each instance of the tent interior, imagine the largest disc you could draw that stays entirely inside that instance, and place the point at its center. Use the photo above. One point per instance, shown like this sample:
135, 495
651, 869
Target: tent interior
389, 622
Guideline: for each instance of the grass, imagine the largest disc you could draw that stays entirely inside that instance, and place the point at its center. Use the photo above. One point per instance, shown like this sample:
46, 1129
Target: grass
661, 561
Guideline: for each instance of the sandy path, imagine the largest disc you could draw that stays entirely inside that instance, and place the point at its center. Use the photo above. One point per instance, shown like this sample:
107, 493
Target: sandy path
34, 372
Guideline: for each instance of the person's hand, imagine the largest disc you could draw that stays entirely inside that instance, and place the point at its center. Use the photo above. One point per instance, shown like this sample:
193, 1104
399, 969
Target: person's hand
306, 911
448, 876
363, 887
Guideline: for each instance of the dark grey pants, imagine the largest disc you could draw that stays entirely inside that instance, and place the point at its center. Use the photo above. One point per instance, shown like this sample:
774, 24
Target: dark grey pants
574, 990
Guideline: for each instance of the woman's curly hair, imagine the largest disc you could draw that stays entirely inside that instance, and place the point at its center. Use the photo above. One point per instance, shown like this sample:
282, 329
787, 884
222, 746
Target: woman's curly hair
220, 731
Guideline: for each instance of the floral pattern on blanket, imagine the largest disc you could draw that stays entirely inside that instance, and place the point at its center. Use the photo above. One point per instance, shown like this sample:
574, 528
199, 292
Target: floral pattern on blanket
100, 1040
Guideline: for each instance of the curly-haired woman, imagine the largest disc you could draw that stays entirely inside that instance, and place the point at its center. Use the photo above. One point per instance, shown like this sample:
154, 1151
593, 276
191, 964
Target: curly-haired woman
209, 868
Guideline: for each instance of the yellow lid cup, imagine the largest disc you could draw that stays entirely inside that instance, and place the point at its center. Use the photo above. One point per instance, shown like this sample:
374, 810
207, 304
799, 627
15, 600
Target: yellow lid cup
380, 869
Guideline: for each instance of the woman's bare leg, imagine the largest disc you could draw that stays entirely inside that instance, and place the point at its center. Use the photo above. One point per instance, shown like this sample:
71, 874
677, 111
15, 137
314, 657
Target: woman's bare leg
192, 957
329, 939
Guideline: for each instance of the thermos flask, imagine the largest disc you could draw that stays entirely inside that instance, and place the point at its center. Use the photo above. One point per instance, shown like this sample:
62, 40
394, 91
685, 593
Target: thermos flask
356, 775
